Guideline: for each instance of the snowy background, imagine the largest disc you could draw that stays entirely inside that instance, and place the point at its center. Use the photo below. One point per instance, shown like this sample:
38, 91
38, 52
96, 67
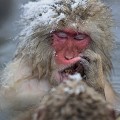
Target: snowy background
9, 29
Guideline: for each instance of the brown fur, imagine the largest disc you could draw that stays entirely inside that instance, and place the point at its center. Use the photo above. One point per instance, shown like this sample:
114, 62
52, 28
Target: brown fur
94, 19
34, 59
63, 105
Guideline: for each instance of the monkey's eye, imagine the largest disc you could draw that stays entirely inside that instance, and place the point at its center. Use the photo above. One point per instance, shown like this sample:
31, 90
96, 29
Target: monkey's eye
80, 37
61, 34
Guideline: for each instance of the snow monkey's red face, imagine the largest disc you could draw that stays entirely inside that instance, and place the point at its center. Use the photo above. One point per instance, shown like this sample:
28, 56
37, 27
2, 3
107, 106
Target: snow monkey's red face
69, 46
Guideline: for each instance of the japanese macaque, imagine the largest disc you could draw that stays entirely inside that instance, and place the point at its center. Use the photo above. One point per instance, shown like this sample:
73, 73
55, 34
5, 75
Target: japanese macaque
69, 37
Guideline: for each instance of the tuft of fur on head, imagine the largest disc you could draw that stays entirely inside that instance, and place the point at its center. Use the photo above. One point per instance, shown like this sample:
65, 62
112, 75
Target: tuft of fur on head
91, 17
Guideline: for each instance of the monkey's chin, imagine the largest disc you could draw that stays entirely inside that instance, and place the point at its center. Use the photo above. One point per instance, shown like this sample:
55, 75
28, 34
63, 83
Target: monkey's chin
71, 70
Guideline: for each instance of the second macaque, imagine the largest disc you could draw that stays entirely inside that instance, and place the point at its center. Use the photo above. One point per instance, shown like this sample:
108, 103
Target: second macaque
76, 38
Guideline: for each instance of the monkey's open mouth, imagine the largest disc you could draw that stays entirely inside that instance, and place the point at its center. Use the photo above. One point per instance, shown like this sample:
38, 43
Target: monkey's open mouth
75, 68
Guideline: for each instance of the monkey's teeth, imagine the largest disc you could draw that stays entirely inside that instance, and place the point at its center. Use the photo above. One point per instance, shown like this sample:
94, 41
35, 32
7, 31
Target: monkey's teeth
68, 71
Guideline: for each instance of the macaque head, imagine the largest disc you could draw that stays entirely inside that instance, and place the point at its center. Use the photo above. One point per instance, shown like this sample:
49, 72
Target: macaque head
62, 31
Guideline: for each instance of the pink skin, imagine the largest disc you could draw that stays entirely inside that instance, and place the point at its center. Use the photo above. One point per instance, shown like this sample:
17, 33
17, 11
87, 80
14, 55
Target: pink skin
68, 49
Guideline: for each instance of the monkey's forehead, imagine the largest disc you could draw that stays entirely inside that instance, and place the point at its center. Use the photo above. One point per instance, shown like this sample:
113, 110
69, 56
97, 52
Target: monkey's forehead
62, 13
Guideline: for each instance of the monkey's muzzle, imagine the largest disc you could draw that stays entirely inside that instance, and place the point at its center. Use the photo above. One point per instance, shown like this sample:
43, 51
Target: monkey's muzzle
75, 68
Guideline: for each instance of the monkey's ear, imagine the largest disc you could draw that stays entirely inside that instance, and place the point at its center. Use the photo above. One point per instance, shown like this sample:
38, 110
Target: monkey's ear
111, 96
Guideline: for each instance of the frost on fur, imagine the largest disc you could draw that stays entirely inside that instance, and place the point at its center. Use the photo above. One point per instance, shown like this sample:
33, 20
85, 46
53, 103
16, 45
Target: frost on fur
43, 12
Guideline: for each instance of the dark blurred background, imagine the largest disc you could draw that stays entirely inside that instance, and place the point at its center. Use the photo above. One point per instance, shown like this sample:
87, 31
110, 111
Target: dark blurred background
9, 14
